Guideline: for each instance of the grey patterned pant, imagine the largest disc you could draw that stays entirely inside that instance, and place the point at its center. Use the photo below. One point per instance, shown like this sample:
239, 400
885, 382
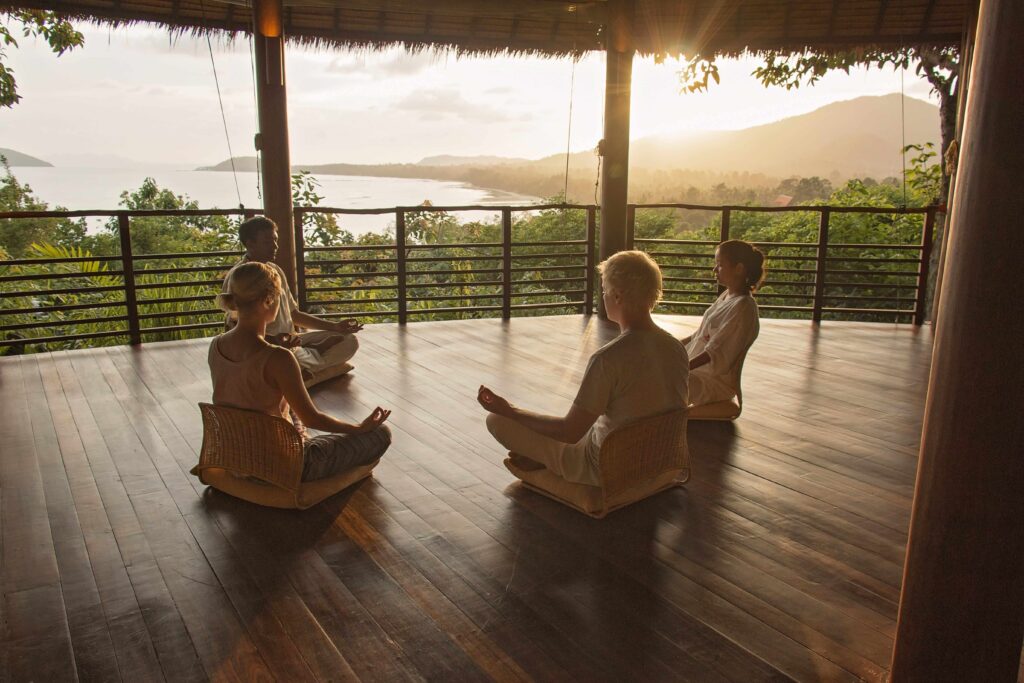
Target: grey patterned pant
329, 454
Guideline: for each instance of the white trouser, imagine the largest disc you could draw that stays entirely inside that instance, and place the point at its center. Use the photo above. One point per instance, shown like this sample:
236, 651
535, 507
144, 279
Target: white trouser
568, 460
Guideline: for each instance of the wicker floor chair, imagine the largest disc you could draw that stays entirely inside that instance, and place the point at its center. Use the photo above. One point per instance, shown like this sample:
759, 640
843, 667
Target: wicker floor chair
258, 458
637, 461
722, 410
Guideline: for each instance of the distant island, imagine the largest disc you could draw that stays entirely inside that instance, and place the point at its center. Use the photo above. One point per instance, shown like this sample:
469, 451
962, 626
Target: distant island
16, 158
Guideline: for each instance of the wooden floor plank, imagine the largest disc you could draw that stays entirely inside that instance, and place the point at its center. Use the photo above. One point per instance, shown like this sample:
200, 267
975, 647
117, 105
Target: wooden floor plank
780, 560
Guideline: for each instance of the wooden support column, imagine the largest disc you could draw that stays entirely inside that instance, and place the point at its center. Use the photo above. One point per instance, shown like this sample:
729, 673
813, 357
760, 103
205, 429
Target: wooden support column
272, 140
615, 148
961, 612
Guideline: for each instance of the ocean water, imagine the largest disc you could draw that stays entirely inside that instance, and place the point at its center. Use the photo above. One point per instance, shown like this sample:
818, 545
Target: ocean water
90, 188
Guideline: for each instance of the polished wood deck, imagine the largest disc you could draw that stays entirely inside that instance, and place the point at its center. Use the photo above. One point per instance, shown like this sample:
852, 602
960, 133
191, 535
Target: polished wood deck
781, 559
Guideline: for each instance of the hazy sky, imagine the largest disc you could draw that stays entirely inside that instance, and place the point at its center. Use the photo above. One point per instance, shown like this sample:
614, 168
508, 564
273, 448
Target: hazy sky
139, 94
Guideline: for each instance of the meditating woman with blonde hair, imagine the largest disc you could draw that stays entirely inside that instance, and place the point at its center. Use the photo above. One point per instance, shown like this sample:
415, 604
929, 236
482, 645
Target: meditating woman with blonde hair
250, 373
641, 373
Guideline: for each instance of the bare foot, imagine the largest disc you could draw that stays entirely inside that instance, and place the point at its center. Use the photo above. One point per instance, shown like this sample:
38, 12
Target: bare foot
524, 463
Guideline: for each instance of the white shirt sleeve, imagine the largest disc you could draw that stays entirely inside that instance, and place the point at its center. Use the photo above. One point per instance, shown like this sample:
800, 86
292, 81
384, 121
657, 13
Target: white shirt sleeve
596, 389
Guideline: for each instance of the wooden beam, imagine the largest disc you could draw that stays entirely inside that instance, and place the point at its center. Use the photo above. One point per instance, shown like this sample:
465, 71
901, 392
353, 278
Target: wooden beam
927, 19
832, 18
880, 20
272, 104
962, 607
618, 76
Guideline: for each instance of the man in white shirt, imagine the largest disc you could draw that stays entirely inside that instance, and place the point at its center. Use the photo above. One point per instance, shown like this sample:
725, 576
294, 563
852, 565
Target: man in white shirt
641, 373
323, 352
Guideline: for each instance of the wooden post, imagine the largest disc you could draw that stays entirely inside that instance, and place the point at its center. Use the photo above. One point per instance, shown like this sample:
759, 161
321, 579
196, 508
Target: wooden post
506, 263
630, 226
272, 140
961, 614
300, 258
615, 146
588, 298
819, 272
400, 235
723, 234
131, 304
927, 233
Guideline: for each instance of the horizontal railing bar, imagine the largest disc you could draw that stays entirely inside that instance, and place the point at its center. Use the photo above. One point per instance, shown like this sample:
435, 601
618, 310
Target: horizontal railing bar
666, 240
183, 269
176, 299
532, 269
670, 278
787, 283
59, 276
439, 209
360, 314
55, 309
352, 247
553, 292
843, 271
324, 276
869, 259
689, 292
467, 297
876, 311
356, 302
868, 285
564, 304
62, 323
180, 328
480, 283
788, 209
83, 213
565, 254
452, 309
349, 288
549, 280
440, 259
346, 262
911, 247
552, 243
29, 293
896, 299
193, 254
457, 245
180, 283
48, 261
782, 295
175, 314
64, 337
484, 271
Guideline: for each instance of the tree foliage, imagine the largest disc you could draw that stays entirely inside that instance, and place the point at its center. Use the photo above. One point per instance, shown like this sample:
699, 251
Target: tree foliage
59, 34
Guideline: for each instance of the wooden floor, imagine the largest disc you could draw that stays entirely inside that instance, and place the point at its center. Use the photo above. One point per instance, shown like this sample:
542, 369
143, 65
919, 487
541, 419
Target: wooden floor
781, 559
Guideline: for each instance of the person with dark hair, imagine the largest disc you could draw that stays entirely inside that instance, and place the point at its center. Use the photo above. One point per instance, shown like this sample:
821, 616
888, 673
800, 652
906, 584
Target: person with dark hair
323, 352
728, 328
252, 374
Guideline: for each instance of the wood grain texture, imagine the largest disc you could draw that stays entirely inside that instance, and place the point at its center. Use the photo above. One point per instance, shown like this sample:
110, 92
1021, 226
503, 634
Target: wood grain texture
780, 560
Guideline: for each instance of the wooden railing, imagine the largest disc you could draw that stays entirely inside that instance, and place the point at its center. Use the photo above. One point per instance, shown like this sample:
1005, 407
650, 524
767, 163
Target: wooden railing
136, 297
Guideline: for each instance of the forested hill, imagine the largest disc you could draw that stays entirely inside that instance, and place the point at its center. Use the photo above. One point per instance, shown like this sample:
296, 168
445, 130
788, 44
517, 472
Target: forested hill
15, 158
856, 138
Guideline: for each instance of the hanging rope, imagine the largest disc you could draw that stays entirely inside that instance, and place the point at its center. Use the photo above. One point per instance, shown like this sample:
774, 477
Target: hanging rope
568, 135
223, 116
256, 116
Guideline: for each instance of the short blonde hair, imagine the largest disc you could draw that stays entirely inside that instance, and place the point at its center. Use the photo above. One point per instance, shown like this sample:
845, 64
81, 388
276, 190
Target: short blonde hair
248, 283
635, 276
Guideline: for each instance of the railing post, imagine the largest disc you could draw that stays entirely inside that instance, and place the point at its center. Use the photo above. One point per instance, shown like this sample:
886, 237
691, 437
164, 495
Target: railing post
506, 263
128, 273
723, 234
299, 220
924, 266
400, 235
630, 226
588, 297
819, 273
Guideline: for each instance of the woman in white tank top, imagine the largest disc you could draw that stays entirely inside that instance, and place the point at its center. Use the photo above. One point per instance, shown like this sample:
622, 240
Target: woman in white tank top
252, 374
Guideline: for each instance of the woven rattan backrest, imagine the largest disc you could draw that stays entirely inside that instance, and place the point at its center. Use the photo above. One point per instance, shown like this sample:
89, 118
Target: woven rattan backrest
643, 450
252, 444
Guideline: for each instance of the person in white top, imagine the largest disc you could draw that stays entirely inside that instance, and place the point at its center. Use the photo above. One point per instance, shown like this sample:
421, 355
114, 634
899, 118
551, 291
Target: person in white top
641, 373
728, 328
248, 372
322, 353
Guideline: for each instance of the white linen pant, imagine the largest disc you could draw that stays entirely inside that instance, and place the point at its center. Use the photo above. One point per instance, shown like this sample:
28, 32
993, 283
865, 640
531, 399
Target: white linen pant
568, 460
318, 350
